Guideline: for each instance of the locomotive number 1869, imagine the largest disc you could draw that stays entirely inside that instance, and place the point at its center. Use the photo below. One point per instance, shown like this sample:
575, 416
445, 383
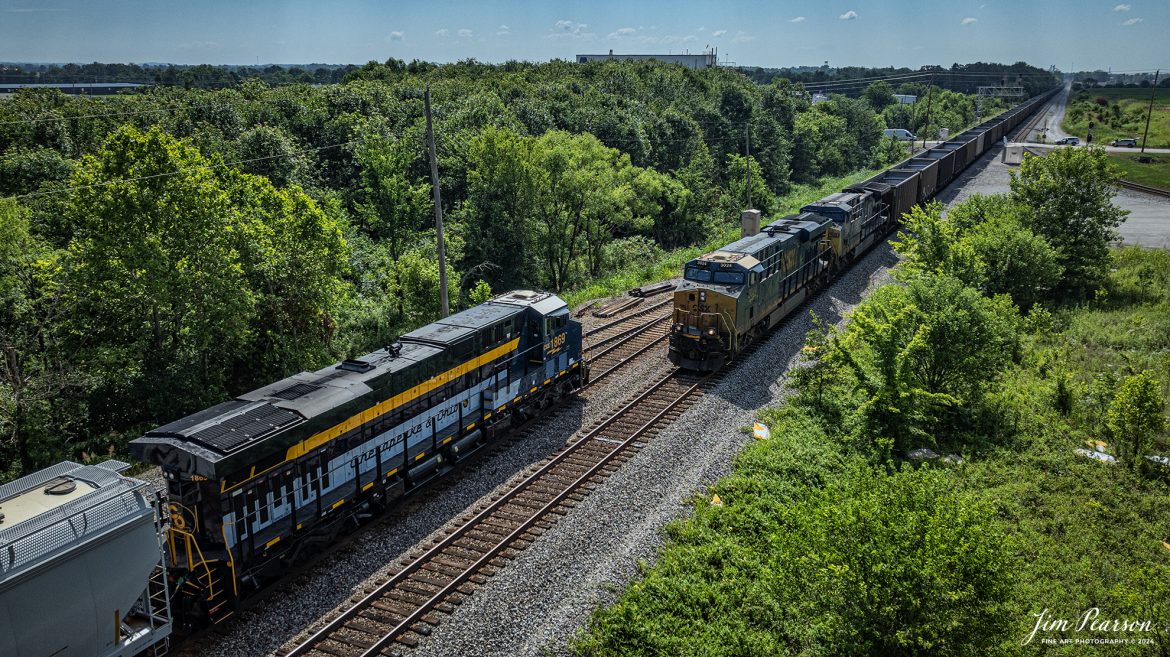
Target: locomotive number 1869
556, 342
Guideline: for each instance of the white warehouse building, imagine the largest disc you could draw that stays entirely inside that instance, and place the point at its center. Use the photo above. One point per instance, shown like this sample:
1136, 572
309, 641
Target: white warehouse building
704, 60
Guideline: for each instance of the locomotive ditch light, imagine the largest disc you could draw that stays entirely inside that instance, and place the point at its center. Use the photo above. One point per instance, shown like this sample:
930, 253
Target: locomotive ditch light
711, 331
678, 327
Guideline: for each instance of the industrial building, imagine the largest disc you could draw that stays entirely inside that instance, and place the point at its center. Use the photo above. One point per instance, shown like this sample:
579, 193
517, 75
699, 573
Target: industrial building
705, 60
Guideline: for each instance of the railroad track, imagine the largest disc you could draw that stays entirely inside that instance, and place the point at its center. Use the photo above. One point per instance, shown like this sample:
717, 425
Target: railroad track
404, 607
618, 325
624, 348
1156, 191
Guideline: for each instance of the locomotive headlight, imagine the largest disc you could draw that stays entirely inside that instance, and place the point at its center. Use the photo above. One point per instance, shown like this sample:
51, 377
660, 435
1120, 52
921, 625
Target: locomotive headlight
711, 331
702, 296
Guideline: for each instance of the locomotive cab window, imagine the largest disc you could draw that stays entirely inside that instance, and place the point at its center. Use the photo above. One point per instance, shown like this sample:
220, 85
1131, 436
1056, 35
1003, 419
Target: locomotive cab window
556, 323
729, 277
698, 275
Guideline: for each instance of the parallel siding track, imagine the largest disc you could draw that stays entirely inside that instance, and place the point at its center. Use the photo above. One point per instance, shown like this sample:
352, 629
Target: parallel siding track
401, 609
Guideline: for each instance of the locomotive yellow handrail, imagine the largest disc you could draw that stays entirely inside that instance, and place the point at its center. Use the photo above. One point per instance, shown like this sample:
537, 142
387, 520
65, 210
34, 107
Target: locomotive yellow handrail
188, 541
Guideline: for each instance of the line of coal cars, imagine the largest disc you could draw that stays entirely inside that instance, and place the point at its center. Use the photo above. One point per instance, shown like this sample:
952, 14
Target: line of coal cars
733, 296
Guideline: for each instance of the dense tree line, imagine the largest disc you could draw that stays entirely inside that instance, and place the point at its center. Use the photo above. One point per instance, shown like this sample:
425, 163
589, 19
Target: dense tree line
204, 76
182, 244
962, 78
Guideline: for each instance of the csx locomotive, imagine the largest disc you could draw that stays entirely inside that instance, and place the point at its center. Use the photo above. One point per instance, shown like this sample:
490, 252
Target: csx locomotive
735, 295
260, 482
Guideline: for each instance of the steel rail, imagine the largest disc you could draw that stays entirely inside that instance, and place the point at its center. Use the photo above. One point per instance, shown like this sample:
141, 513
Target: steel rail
626, 318
438, 597
326, 632
1139, 187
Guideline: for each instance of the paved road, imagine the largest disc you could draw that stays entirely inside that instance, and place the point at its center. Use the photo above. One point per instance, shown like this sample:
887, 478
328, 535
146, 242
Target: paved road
1049, 127
1148, 223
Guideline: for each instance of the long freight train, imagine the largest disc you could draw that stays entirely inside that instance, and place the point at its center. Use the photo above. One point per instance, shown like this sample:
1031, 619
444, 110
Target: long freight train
95, 563
733, 296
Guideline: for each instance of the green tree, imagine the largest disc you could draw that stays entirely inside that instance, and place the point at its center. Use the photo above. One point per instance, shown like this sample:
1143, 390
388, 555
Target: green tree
1015, 261
896, 564
502, 181
390, 206
294, 259
879, 95
270, 152
762, 197
1136, 416
920, 353
982, 243
1066, 197
479, 293
41, 392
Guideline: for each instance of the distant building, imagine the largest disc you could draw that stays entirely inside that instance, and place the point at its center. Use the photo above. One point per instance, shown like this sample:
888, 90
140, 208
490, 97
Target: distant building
704, 60
74, 88
906, 99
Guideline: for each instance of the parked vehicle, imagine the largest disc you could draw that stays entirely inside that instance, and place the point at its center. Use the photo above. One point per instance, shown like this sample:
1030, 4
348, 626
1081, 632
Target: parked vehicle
1068, 141
1127, 143
901, 134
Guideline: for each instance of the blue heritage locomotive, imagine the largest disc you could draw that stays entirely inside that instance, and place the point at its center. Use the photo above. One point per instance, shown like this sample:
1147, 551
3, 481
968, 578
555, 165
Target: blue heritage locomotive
260, 482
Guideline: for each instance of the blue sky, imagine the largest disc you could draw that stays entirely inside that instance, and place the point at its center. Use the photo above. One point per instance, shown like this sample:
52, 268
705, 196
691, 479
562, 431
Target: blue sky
1122, 34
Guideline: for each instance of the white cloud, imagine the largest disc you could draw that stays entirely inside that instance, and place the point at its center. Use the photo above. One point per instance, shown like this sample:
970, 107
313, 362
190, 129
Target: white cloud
968, 20
442, 32
464, 32
848, 16
1132, 21
982, 6
503, 30
1123, 8
702, 29
565, 29
621, 32
743, 38
396, 35
718, 33
797, 19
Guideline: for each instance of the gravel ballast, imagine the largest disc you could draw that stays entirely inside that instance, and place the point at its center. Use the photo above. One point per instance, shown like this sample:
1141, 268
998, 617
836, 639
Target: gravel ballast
536, 604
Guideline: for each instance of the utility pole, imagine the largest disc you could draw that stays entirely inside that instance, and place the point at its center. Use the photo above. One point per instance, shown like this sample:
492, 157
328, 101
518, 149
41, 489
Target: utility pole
929, 96
1153, 90
438, 205
747, 141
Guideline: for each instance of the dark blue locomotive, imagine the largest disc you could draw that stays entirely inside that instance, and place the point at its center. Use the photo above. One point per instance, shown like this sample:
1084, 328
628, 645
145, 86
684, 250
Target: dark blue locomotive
264, 480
